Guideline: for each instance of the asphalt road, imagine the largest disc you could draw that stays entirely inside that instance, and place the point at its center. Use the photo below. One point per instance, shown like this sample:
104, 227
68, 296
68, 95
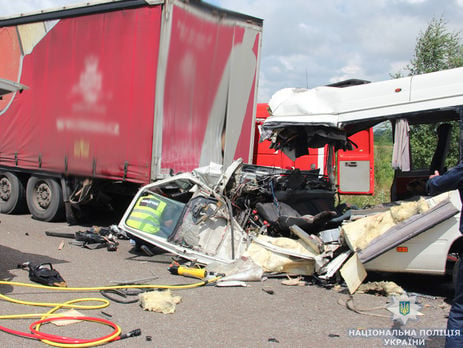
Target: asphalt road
208, 316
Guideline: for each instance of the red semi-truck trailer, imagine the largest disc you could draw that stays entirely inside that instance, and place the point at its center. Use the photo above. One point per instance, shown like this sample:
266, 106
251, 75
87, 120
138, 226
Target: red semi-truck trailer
120, 93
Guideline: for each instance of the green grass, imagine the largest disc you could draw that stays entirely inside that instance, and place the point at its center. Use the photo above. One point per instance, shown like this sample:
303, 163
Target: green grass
384, 175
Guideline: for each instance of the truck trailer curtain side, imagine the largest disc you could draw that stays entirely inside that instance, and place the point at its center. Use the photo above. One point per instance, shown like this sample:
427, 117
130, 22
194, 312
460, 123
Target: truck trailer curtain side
128, 93
94, 84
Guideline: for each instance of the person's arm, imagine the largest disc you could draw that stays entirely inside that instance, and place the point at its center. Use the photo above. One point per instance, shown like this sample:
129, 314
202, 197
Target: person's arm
451, 180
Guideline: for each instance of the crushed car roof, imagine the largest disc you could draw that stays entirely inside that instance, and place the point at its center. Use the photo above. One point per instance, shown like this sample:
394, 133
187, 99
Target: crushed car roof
366, 104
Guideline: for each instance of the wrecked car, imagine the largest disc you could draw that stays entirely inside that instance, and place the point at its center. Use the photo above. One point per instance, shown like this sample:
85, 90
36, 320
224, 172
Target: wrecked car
426, 239
288, 220
214, 216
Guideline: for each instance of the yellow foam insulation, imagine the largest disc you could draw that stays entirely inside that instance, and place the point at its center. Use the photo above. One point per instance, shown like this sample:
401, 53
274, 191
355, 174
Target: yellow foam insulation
159, 301
358, 234
276, 262
406, 210
69, 313
386, 288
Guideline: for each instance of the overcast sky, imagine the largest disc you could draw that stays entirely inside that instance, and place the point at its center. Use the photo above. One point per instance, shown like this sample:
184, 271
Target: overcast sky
307, 43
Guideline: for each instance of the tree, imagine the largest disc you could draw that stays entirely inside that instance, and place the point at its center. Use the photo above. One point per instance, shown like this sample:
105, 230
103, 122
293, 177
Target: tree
436, 49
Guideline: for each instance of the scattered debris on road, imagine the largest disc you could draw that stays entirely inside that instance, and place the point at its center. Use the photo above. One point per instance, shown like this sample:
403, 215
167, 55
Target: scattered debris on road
382, 288
93, 238
248, 221
159, 301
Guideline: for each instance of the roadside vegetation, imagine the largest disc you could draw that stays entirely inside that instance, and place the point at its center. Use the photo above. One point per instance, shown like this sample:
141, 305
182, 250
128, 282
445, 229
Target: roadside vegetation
436, 49
383, 173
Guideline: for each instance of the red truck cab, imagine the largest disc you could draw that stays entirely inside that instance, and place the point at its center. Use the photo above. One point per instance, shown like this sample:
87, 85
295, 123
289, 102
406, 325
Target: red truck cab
355, 163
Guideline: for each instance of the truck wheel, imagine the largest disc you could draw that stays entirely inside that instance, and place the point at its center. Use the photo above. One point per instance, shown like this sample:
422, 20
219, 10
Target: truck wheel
44, 199
12, 194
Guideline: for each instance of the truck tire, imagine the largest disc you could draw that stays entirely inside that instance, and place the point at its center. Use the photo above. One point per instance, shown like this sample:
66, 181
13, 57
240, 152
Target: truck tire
44, 198
12, 194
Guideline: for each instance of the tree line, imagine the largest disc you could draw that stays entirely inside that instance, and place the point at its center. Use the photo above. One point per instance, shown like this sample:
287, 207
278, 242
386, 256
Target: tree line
437, 48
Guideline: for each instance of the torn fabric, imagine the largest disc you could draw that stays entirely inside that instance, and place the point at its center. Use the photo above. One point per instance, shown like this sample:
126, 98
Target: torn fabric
401, 150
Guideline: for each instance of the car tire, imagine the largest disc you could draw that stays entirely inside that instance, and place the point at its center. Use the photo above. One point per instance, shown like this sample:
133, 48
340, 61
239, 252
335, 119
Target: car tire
12, 194
44, 198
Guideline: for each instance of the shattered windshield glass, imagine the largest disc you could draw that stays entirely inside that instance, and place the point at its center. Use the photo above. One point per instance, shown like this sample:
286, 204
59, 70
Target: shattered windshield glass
155, 214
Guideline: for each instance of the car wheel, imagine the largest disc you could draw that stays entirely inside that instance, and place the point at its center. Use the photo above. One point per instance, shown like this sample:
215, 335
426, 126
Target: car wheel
12, 194
44, 199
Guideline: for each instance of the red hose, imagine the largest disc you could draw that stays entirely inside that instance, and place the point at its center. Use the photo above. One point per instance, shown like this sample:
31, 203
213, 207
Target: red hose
70, 340
38, 335
18, 333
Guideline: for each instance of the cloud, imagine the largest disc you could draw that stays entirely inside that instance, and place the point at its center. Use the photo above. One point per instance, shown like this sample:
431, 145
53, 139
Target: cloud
414, 1
398, 67
390, 36
10, 8
353, 69
312, 43
286, 62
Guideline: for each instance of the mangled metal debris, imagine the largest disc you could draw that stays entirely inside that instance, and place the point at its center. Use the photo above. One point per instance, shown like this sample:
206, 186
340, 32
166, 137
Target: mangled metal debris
214, 216
185, 216
353, 273
283, 221
240, 270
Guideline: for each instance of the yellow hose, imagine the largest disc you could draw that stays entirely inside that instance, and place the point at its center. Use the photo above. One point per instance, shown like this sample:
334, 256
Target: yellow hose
72, 304
91, 344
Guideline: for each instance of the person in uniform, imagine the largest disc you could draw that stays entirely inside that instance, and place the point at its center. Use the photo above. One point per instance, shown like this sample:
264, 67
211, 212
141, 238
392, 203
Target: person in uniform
452, 180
